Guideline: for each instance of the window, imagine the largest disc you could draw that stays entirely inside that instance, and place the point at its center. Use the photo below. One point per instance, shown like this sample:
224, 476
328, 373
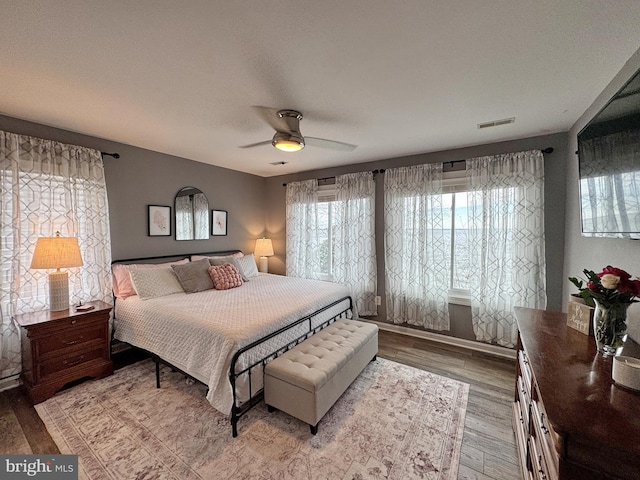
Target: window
326, 231
42, 193
46, 187
476, 235
456, 230
330, 234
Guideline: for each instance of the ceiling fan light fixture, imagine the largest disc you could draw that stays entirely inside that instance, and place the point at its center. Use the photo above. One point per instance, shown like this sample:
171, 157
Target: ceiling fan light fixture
287, 142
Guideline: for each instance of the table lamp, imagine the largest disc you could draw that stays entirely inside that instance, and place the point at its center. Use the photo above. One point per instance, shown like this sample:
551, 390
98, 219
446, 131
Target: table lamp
57, 252
264, 249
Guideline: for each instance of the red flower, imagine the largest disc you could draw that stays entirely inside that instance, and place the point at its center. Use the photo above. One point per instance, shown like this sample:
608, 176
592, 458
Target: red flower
627, 286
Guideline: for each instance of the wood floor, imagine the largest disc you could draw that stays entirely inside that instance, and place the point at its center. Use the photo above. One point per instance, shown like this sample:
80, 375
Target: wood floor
488, 446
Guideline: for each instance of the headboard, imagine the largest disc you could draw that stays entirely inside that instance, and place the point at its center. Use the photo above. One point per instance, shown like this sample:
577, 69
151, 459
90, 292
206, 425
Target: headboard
125, 287
171, 258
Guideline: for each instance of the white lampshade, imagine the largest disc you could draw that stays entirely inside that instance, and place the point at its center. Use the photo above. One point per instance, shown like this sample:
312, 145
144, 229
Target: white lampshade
264, 249
57, 252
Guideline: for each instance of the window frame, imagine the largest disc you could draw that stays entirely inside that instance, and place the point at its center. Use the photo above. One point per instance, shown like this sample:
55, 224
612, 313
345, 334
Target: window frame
455, 182
327, 194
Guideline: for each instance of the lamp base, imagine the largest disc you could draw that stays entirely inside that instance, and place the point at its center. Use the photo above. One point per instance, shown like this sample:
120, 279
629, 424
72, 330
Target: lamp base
264, 265
58, 291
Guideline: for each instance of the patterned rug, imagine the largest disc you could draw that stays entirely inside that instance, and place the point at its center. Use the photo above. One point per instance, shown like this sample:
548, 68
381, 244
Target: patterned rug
394, 422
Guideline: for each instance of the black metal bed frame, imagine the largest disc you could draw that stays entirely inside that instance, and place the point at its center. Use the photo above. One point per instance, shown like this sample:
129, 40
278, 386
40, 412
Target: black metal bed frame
239, 410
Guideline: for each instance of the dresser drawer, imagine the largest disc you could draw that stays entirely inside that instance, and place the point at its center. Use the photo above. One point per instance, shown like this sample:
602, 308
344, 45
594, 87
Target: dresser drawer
59, 364
525, 370
547, 438
524, 399
73, 339
538, 461
521, 436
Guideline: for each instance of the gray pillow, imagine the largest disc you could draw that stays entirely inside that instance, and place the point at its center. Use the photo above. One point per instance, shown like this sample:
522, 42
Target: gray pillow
216, 261
194, 276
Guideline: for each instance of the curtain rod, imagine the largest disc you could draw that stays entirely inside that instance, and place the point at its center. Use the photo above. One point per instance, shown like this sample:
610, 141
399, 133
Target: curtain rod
450, 163
546, 150
329, 178
114, 155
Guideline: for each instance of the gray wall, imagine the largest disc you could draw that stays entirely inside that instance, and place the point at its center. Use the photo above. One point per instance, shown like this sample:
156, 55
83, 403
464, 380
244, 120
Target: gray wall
256, 206
586, 252
555, 171
142, 177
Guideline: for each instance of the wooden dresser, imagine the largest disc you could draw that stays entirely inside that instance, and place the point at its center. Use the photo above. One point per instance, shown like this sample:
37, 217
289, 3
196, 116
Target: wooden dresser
60, 347
570, 420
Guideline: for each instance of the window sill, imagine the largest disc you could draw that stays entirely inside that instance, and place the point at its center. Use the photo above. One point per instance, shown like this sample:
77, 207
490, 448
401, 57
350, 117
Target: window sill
459, 298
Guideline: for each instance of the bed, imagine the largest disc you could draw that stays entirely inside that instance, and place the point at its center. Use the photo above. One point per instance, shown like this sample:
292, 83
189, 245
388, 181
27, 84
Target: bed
223, 338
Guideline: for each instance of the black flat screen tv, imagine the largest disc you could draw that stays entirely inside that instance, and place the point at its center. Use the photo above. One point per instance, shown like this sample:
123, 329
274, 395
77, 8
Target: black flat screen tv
609, 166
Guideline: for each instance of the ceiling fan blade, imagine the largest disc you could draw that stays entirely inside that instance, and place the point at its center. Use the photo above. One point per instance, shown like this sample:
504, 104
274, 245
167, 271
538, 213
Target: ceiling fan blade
266, 142
270, 116
330, 144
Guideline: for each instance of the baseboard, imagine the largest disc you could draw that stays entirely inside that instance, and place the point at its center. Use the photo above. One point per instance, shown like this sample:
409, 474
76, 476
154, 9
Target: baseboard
494, 350
10, 382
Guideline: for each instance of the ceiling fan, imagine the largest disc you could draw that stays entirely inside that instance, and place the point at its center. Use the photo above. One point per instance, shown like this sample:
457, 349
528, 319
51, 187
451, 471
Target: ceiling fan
288, 138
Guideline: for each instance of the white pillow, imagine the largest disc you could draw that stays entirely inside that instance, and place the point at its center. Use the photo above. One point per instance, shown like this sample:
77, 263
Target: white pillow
154, 282
248, 266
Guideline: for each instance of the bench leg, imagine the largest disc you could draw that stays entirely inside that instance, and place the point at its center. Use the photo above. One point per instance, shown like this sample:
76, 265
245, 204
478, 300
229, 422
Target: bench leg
314, 429
375, 357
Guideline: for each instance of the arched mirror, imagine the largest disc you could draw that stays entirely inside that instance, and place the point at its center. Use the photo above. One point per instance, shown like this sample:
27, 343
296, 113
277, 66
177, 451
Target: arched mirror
192, 214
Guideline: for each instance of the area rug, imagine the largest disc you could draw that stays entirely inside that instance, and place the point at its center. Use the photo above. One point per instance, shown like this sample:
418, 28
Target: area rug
394, 422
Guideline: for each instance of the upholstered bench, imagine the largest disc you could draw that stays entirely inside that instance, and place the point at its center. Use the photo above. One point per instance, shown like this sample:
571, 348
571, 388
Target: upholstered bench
307, 380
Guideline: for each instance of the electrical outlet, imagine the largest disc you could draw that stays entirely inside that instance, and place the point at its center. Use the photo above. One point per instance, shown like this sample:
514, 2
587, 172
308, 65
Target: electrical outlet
378, 300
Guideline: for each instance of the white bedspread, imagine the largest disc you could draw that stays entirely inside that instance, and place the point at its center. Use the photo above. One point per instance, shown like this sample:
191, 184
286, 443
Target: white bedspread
200, 332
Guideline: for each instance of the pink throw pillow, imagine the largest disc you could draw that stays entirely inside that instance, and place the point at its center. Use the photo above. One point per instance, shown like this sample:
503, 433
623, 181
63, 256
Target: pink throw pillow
225, 276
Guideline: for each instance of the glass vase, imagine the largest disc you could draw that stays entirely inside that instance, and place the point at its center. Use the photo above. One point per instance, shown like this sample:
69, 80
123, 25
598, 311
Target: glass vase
610, 326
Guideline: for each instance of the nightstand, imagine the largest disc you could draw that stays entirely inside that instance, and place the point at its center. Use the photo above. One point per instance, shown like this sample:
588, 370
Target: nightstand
60, 347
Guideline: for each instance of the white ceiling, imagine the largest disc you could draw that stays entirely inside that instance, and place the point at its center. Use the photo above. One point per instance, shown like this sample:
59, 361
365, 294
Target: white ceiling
395, 78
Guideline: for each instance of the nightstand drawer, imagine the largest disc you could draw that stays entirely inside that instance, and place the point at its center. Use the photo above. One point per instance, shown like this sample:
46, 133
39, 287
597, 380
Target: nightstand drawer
57, 365
75, 338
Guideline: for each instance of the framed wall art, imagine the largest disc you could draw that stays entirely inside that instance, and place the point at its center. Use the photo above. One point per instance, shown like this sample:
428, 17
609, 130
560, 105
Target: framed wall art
218, 222
159, 221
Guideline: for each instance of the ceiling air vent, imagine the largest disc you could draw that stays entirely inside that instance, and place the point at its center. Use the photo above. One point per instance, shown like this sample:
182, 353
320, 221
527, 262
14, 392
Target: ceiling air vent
278, 163
496, 123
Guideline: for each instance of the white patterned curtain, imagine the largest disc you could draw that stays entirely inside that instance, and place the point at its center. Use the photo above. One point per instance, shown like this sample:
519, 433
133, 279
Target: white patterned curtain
416, 247
506, 242
610, 183
46, 187
303, 243
354, 252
